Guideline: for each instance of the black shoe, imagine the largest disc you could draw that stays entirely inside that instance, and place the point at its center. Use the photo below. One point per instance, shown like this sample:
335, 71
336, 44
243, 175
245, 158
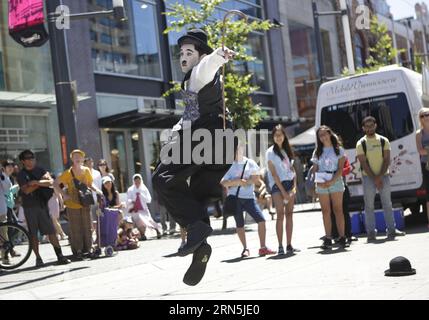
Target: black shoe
198, 266
78, 257
62, 260
342, 242
143, 238
290, 249
39, 263
351, 239
327, 244
197, 233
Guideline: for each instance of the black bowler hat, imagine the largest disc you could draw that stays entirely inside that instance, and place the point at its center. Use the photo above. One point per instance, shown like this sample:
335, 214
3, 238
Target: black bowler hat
198, 36
399, 266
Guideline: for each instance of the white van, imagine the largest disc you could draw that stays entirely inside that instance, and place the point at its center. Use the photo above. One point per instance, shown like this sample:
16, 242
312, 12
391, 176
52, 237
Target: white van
393, 95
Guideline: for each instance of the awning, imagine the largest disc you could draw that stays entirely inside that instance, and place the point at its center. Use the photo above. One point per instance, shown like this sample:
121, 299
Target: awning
155, 119
308, 137
36, 100
159, 118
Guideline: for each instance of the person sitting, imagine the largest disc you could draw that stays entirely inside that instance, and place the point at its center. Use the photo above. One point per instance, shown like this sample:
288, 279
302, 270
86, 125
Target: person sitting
138, 197
127, 238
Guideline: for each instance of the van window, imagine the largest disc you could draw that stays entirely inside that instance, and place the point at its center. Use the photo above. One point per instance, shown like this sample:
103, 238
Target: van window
392, 113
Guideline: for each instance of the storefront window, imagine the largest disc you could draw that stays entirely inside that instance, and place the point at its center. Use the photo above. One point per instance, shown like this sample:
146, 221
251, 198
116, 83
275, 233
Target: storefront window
135, 138
118, 159
28, 117
23, 69
306, 65
127, 48
255, 47
359, 51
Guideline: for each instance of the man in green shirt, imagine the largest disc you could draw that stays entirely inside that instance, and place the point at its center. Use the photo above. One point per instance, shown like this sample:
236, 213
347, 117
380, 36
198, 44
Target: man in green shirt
373, 152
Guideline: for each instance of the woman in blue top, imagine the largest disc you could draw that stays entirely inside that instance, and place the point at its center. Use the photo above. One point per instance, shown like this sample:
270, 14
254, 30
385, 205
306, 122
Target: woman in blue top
246, 198
328, 160
281, 177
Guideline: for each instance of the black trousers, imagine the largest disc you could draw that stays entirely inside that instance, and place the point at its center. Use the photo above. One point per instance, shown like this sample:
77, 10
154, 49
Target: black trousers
185, 189
347, 220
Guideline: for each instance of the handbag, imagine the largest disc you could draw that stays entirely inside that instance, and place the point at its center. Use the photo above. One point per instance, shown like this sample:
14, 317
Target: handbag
86, 198
231, 202
310, 188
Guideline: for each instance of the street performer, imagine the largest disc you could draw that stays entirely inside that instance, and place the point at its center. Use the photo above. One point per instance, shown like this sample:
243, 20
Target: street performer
186, 186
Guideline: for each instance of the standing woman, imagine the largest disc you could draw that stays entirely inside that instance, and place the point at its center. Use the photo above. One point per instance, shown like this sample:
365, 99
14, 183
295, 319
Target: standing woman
422, 140
328, 160
111, 196
240, 180
105, 170
110, 193
282, 180
138, 196
55, 205
79, 216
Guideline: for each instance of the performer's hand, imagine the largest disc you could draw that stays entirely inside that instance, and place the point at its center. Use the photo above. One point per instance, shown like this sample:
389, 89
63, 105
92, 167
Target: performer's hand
229, 54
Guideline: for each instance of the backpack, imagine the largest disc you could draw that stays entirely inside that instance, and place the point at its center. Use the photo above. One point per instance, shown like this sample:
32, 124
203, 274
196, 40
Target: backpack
347, 167
383, 143
309, 185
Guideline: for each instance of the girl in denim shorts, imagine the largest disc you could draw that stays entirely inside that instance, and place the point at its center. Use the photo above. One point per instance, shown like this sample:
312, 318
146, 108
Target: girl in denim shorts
328, 159
249, 171
281, 177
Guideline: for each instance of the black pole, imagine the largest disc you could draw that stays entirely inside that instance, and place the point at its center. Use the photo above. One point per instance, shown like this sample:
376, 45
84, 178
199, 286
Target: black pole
65, 94
318, 37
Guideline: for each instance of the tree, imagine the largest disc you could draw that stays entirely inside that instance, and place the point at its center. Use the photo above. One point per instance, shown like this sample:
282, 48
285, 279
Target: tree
238, 87
382, 52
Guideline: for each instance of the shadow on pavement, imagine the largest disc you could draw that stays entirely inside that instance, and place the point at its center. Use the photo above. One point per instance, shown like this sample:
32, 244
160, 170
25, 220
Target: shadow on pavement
281, 256
333, 251
41, 278
171, 255
239, 259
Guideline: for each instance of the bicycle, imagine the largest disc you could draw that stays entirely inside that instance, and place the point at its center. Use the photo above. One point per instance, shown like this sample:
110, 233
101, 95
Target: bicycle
15, 247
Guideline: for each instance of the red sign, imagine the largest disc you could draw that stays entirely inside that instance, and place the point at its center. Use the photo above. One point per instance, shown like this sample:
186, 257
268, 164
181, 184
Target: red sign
26, 22
64, 149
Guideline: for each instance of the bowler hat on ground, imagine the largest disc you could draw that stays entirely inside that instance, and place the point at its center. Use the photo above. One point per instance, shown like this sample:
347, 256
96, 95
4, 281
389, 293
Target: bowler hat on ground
199, 37
399, 266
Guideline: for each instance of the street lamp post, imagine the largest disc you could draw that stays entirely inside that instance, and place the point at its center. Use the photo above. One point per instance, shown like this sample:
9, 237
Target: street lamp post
347, 36
65, 88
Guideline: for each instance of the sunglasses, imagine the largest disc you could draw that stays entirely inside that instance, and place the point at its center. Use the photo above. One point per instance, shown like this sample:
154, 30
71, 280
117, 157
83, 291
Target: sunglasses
424, 115
102, 164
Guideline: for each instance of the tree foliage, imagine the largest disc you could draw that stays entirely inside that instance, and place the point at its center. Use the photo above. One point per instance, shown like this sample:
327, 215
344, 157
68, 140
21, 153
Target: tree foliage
382, 52
238, 87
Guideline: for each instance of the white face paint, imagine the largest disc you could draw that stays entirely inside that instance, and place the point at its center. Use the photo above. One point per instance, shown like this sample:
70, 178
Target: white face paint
189, 57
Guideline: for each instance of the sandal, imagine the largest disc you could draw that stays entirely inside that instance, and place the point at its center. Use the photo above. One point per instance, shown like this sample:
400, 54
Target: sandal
245, 253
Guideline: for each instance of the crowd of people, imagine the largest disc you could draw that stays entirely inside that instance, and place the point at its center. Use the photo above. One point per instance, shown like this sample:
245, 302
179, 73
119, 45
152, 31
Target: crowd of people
33, 197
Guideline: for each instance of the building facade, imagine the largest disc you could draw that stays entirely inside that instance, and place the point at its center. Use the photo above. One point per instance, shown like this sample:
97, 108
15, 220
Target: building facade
28, 118
126, 67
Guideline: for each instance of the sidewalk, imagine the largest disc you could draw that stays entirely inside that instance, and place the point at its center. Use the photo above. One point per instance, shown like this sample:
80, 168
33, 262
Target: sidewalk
153, 272
305, 207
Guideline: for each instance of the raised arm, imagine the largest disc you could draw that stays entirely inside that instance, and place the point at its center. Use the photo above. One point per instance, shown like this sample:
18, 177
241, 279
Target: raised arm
205, 71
